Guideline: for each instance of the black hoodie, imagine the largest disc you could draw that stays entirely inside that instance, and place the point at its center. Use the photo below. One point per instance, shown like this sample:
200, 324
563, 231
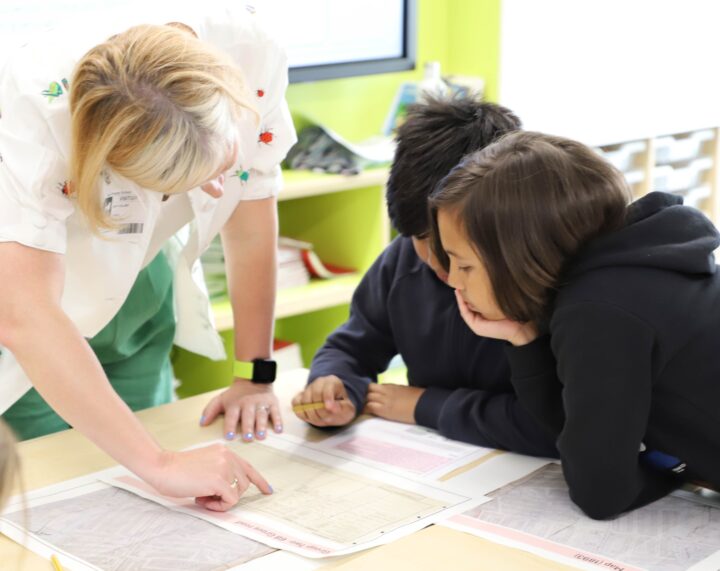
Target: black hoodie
632, 359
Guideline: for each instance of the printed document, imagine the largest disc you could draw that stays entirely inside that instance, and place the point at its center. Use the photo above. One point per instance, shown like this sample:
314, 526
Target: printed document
536, 514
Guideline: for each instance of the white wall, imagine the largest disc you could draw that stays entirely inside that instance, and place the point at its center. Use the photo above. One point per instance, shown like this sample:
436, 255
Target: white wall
605, 71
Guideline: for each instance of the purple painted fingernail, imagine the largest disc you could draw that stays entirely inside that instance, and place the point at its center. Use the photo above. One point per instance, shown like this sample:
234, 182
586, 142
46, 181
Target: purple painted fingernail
248, 436
202, 420
261, 434
271, 488
230, 435
278, 428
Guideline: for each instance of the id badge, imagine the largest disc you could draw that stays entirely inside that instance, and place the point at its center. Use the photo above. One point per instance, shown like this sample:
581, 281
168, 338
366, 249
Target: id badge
125, 210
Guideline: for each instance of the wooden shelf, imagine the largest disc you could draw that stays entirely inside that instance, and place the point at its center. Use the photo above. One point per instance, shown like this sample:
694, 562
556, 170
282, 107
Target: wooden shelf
319, 294
299, 184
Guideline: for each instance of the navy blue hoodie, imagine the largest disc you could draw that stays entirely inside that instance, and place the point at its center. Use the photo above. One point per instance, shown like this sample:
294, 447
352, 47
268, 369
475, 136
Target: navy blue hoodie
632, 359
401, 307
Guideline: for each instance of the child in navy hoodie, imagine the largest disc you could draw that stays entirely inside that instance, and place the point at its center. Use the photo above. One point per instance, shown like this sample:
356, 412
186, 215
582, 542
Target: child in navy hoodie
458, 383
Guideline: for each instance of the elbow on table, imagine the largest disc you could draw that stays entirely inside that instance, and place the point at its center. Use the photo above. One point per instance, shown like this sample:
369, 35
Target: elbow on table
598, 511
598, 504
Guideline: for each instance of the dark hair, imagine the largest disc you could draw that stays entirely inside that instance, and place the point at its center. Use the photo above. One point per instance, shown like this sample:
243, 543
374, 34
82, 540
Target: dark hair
527, 204
432, 140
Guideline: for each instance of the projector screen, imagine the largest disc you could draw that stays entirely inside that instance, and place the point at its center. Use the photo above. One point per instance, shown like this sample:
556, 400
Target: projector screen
324, 38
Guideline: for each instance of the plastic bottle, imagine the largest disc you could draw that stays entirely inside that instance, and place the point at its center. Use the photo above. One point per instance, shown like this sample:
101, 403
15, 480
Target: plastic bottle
432, 83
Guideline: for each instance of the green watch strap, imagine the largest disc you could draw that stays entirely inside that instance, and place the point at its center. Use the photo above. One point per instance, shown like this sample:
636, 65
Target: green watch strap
243, 369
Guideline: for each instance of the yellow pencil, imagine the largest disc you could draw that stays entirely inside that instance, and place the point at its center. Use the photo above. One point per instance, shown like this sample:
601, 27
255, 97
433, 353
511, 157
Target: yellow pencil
56, 563
308, 406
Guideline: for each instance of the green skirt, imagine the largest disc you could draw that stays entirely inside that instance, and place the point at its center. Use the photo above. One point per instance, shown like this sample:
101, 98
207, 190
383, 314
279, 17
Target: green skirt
134, 350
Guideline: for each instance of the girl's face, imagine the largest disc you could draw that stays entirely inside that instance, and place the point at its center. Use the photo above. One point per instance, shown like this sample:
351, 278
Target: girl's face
467, 272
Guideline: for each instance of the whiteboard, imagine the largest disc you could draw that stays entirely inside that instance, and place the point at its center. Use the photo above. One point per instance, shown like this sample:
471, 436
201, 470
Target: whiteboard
607, 71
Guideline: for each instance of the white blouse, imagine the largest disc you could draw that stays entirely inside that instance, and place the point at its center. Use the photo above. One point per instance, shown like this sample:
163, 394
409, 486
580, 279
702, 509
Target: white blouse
100, 270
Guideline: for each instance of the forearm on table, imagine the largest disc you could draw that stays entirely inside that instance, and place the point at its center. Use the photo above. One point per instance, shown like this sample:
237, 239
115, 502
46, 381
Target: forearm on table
485, 418
65, 371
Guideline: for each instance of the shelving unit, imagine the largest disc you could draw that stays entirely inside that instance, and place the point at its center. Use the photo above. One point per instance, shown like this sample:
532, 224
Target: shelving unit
319, 294
300, 184
681, 163
345, 218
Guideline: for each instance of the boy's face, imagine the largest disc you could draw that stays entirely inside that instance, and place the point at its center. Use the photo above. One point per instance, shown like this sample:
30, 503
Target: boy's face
424, 251
467, 271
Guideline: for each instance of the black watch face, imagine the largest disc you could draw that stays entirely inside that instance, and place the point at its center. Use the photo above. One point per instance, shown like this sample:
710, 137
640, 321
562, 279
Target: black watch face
264, 371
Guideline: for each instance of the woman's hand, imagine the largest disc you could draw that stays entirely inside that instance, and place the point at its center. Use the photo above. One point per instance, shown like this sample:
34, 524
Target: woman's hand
393, 402
512, 331
214, 475
251, 404
339, 409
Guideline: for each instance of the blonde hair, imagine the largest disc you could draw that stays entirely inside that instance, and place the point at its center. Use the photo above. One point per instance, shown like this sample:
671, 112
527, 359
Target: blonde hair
9, 463
156, 105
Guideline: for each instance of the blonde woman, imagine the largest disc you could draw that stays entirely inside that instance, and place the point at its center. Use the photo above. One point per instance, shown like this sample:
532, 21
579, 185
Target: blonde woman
106, 155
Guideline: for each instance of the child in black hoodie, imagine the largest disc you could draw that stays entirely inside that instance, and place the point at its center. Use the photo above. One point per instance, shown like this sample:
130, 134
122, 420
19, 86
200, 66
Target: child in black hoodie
612, 312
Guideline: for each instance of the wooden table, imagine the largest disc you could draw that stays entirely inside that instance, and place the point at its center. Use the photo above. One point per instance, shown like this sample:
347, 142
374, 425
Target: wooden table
65, 455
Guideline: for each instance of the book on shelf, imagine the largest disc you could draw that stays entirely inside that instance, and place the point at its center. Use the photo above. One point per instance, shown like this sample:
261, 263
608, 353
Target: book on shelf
320, 269
297, 263
291, 268
289, 248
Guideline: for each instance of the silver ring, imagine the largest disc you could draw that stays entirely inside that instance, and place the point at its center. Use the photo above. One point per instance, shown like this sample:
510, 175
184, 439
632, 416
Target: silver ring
264, 407
234, 483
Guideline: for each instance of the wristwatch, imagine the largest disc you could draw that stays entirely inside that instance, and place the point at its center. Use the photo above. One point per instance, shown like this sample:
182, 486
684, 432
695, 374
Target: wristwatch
258, 370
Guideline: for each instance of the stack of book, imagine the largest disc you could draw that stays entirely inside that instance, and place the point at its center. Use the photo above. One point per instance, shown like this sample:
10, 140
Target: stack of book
291, 267
297, 264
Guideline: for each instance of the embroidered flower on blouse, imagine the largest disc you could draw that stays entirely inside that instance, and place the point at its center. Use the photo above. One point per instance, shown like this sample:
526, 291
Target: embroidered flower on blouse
266, 136
56, 89
243, 175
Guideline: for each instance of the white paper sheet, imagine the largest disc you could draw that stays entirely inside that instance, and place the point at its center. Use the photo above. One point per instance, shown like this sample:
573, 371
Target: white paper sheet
404, 449
381, 462
537, 515
322, 505
93, 526
501, 469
